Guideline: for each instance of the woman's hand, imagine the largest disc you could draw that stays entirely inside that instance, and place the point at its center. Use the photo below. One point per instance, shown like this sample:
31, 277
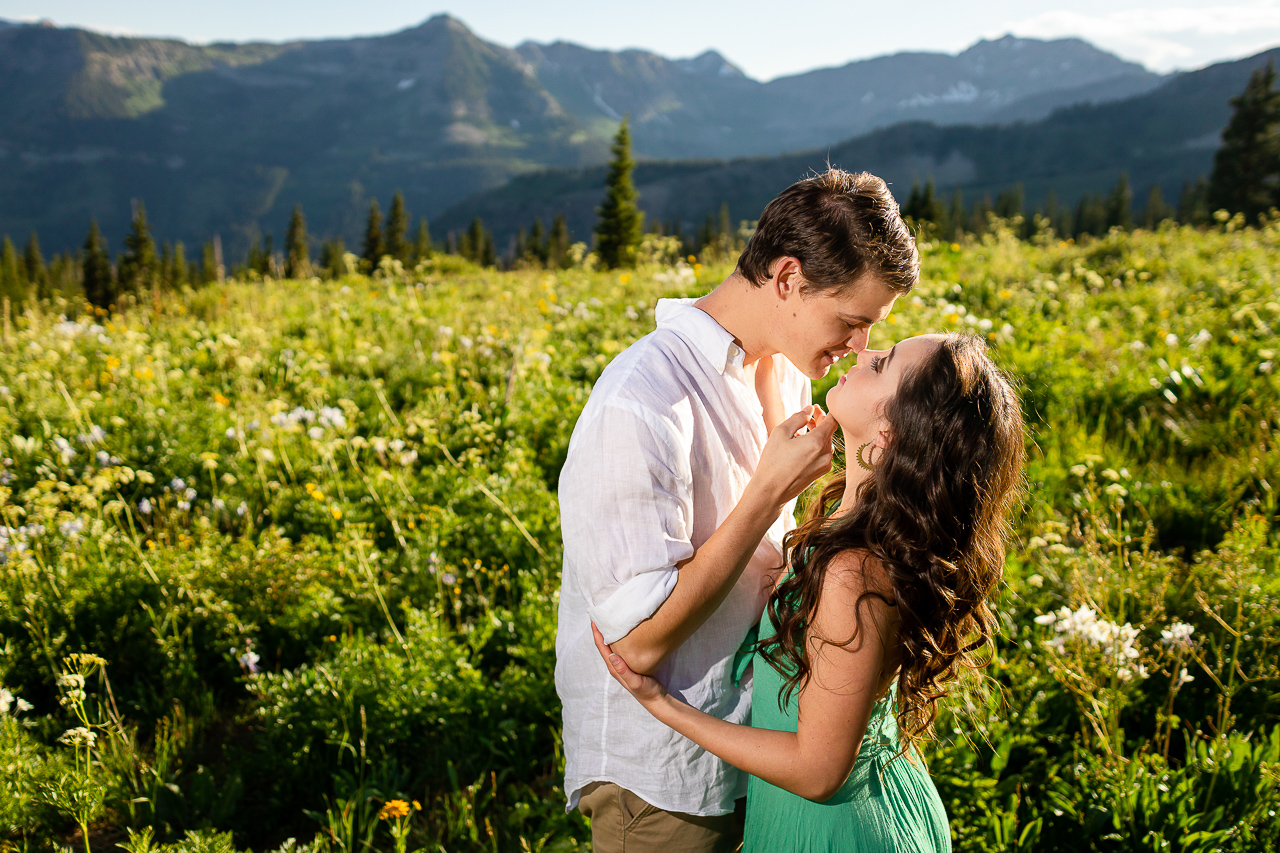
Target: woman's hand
793, 458
645, 688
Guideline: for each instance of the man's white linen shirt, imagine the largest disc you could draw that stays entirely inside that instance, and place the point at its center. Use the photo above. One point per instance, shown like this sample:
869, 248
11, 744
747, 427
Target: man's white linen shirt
671, 434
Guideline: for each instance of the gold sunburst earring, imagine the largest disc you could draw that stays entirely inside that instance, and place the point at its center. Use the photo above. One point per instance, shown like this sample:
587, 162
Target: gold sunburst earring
862, 463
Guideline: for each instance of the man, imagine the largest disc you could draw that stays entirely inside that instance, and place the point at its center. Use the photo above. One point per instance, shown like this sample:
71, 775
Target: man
673, 509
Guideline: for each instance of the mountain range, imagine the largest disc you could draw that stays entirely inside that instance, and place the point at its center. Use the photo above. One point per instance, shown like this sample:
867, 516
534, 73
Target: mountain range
226, 138
1164, 137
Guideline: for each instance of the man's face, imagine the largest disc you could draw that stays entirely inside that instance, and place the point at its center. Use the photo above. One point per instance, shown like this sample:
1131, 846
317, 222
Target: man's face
819, 329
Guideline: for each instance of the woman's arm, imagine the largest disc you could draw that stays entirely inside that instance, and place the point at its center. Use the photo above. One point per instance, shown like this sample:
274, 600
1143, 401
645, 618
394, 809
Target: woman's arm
789, 462
834, 707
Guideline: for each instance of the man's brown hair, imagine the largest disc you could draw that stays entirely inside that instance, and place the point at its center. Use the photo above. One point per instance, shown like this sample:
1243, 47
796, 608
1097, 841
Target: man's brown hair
841, 226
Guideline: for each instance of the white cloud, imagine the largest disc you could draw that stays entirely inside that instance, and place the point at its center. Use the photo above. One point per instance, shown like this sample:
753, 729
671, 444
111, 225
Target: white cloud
1164, 38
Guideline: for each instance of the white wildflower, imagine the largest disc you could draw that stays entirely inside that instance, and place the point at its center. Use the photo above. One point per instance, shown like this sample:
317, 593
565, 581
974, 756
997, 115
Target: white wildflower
144, 506
1177, 634
77, 737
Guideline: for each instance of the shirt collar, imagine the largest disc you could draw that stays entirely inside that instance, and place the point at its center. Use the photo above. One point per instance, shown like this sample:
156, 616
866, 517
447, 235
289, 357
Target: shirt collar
701, 330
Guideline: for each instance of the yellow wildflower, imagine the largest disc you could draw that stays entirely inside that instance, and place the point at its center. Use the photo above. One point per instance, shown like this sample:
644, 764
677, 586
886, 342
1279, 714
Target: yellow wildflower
394, 809
337, 513
219, 399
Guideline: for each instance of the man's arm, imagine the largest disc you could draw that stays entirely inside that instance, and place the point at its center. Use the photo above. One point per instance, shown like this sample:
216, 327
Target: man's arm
788, 464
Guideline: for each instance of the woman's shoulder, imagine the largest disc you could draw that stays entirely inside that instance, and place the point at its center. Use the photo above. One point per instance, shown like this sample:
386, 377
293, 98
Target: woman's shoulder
856, 572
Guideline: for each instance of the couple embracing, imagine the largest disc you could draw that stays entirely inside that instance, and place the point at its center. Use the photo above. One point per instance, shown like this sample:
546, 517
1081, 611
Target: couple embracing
707, 650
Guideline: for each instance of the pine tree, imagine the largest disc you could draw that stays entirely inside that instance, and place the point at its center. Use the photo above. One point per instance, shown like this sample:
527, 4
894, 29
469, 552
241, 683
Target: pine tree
422, 242
208, 264
1246, 169
396, 240
374, 247
333, 257
479, 244
1010, 202
139, 266
297, 246
34, 267
1157, 210
620, 224
1193, 203
558, 243
1120, 204
537, 245
180, 274
13, 282
1091, 215
99, 284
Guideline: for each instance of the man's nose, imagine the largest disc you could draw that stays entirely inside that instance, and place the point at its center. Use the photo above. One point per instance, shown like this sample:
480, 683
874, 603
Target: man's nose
858, 340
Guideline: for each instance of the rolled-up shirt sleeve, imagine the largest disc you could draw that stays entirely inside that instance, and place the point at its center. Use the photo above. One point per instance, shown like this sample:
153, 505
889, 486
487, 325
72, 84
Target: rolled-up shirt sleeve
626, 511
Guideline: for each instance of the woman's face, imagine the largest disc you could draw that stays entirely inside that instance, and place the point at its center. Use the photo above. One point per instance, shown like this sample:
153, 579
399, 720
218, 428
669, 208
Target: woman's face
857, 401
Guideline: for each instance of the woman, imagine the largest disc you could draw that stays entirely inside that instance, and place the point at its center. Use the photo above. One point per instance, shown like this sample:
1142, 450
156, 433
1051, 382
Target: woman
884, 600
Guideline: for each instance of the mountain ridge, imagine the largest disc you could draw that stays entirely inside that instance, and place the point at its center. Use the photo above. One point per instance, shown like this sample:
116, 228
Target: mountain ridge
1159, 138
226, 138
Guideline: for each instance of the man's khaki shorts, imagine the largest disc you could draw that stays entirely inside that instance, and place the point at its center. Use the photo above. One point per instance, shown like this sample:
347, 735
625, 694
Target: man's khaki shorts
621, 822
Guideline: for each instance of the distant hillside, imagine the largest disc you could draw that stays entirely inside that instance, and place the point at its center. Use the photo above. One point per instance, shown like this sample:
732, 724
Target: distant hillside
227, 138
1165, 136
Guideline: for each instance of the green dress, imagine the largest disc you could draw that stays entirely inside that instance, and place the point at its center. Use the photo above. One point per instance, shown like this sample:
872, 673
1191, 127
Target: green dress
888, 803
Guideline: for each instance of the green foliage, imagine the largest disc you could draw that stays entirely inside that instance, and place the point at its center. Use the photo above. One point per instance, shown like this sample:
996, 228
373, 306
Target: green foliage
139, 267
312, 528
620, 224
99, 277
1246, 169
397, 231
297, 246
374, 244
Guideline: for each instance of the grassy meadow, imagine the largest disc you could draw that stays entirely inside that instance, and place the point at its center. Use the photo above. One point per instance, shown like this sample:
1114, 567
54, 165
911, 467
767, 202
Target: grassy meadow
280, 558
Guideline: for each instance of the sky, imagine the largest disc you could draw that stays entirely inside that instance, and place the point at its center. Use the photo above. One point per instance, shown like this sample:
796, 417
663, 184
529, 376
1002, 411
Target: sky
765, 38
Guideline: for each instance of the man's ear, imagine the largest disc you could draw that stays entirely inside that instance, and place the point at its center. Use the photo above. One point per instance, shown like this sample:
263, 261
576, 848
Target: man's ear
786, 278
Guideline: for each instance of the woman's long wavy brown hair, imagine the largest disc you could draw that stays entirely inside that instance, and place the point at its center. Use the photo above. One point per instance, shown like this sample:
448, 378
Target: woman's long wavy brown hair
934, 514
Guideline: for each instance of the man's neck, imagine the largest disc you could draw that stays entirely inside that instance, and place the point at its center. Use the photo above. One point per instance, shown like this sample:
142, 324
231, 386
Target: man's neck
739, 308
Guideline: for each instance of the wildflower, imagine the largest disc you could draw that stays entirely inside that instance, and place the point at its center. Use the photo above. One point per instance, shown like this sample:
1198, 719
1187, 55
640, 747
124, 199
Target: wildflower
249, 662
316, 433
177, 484
1184, 678
78, 737
144, 506
449, 578
71, 680
242, 509
230, 433
219, 504
335, 512
1177, 634
219, 399
6, 700
394, 809
72, 697
1079, 470
1171, 339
